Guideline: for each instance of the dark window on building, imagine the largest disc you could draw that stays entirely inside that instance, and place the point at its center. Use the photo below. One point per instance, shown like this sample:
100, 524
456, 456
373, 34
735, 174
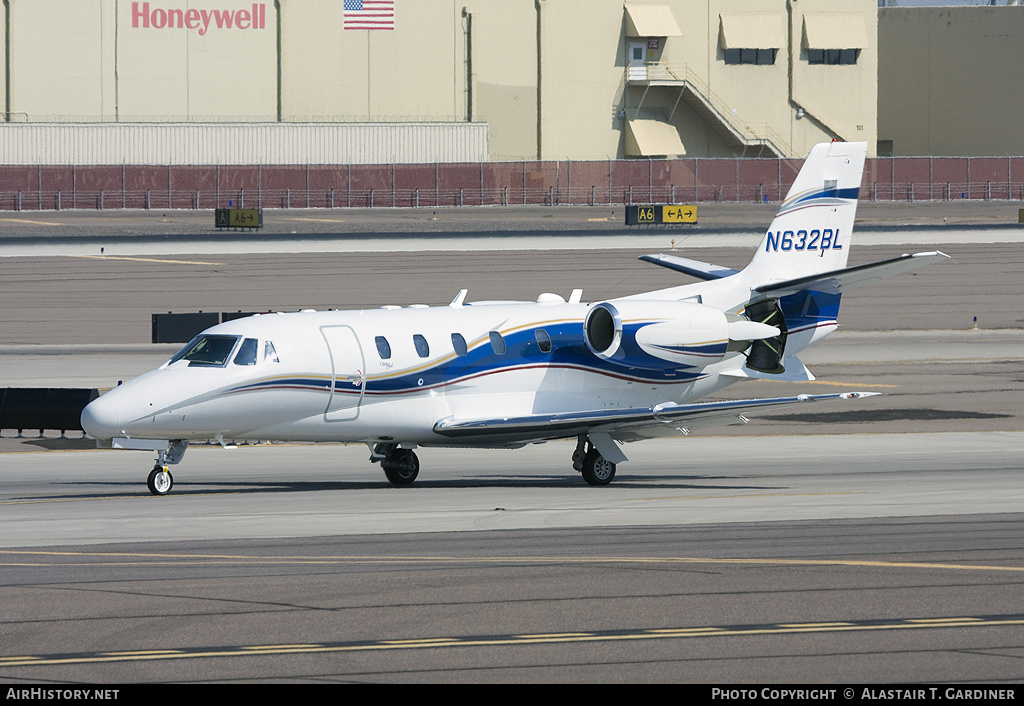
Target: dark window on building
834, 57
764, 57
422, 349
383, 347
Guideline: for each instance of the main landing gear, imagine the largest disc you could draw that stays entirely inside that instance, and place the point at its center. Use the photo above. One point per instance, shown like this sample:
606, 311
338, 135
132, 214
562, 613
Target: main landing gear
596, 469
401, 466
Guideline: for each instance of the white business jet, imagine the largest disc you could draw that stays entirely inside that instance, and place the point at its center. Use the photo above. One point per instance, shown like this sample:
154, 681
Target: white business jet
507, 374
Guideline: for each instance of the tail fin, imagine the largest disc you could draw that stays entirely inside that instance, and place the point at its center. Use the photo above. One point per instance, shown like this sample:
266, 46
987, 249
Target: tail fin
811, 232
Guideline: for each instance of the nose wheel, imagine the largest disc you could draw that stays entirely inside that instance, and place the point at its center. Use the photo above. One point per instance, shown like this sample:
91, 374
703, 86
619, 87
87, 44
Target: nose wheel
160, 481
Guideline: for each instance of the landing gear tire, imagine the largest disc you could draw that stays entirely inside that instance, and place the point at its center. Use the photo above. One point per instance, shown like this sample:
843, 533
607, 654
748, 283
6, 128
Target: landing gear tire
401, 466
597, 470
160, 481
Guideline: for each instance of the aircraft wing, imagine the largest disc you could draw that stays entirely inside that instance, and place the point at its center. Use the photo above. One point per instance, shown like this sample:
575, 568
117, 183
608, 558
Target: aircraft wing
567, 424
850, 277
695, 268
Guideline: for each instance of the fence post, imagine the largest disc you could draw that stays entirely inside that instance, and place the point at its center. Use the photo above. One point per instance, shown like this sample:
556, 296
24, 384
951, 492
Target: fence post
630, 194
197, 199
568, 181
241, 198
910, 191
58, 199
592, 188
288, 198
147, 199
371, 198
416, 193
332, 198
101, 200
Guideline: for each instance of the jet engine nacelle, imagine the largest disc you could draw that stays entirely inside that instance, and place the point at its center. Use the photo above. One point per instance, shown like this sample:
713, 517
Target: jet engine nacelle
656, 335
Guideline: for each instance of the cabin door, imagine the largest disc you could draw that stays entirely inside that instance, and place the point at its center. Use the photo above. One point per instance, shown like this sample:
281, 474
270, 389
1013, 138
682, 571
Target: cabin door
348, 379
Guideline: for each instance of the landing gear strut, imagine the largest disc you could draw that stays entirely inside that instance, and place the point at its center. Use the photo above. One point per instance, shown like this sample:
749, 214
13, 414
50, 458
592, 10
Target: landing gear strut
160, 480
596, 469
401, 466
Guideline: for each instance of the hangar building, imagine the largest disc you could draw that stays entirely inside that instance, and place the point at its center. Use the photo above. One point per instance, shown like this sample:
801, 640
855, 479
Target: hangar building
332, 81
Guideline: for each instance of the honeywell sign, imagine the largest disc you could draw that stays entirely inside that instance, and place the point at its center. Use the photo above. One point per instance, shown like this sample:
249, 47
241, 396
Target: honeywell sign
202, 21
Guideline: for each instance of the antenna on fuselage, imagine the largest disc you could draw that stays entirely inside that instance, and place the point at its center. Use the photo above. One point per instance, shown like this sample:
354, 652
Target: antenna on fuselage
459, 298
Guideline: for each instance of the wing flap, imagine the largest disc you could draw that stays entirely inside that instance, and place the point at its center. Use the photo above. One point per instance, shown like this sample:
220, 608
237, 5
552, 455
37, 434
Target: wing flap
559, 426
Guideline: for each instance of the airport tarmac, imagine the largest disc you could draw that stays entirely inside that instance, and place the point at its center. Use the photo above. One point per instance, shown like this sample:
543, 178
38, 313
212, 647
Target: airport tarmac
879, 540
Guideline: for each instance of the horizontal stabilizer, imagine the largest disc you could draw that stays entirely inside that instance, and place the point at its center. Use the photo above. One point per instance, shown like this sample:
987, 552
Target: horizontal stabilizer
558, 426
850, 277
695, 268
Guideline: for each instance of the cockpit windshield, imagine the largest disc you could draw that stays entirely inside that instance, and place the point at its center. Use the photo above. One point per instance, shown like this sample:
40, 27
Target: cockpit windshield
208, 350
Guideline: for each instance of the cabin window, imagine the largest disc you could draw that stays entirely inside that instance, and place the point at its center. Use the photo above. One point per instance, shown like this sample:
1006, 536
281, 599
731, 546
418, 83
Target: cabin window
422, 349
543, 340
459, 344
207, 350
269, 353
497, 343
383, 347
246, 352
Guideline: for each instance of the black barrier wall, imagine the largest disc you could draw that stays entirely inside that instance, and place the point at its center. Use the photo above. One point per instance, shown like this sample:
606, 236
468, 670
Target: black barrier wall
42, 408
182, 328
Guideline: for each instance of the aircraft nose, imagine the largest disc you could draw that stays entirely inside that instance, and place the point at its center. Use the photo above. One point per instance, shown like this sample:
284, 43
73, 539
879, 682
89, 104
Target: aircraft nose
99, 418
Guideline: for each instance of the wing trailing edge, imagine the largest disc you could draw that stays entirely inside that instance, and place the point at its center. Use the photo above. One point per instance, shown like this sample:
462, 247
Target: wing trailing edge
566, 424
850, 277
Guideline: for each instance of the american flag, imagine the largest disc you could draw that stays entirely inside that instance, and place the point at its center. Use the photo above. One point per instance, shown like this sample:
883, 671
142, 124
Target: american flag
369, 14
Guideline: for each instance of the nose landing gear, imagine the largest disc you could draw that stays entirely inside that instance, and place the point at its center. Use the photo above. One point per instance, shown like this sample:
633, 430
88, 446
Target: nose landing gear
160, 480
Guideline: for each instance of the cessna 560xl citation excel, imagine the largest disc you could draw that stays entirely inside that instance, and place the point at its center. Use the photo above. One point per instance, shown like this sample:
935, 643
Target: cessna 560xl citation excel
507, 374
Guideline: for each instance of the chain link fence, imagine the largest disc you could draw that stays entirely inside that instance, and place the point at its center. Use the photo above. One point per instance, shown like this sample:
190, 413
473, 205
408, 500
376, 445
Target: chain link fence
549, 183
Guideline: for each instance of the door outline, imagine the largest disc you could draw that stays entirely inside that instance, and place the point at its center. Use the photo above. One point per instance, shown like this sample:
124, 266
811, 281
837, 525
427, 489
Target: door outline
347, 370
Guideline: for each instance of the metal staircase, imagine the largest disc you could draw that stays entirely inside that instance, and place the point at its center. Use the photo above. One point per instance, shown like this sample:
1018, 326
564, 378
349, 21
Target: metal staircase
720, 118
